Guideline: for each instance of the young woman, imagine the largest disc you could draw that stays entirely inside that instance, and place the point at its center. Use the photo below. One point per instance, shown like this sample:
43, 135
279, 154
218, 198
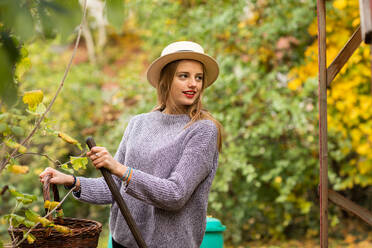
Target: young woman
167, 158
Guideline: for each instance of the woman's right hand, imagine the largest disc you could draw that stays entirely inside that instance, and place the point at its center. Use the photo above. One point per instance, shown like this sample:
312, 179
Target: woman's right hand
56, 177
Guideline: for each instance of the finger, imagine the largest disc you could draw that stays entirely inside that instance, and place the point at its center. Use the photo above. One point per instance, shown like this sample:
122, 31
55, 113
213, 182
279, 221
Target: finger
44, 173
98, 165
94, 157
42, 179
96, 149
53, 180
99, 160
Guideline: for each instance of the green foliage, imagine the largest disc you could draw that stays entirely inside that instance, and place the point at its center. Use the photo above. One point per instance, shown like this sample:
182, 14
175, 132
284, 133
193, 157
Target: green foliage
21, 20
267, 178
79, 162
115, 13
9, 55
31, 215
17, 220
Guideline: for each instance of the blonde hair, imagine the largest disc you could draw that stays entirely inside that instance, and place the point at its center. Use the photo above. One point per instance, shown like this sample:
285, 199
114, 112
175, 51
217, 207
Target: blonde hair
195, 111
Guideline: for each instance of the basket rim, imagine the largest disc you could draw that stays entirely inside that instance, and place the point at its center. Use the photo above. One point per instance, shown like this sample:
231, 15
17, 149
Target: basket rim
76, 231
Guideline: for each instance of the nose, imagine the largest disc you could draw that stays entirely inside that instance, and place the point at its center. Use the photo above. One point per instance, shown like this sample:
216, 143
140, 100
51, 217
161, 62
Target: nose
192, 83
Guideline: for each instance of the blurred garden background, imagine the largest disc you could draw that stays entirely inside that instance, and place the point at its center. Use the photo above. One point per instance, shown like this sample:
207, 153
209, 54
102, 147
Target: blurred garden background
265, 190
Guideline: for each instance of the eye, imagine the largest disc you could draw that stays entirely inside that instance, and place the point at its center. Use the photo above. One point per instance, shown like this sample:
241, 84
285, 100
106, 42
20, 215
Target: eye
199, 78
182, 75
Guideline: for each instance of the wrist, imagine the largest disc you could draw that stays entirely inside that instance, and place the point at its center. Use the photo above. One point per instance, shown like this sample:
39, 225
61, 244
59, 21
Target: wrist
72, 182
119, 170
77, 186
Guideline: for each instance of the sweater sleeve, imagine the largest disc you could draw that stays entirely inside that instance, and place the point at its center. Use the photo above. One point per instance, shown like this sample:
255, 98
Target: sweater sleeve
193, 167
96, 190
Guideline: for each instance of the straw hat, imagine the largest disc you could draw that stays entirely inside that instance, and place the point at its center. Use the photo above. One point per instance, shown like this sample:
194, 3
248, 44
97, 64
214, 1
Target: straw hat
183, 50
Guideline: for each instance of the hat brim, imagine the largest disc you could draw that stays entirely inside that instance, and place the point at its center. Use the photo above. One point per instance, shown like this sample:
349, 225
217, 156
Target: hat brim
210, 65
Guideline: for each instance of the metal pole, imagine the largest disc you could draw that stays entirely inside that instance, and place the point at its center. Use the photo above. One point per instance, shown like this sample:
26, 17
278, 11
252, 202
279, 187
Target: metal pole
322, 91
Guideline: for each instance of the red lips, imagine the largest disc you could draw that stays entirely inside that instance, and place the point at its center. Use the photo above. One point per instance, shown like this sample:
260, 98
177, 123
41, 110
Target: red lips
189, 93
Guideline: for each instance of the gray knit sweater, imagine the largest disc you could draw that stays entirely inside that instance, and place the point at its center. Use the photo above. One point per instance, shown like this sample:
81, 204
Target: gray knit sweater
173, 172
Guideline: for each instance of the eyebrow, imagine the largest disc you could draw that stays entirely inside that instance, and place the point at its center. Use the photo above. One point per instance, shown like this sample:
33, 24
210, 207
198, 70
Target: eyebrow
199, 73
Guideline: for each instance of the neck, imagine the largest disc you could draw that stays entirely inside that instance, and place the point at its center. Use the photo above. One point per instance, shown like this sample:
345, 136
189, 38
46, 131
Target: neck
174, 111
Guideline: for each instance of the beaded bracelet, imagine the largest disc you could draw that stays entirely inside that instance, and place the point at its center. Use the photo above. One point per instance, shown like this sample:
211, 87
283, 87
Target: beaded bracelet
126, 174
130, 176
72, 186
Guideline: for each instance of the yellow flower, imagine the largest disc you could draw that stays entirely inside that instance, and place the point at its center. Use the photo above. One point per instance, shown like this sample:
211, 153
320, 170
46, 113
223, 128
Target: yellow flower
294, 84
18, 169
364, 149
340, 4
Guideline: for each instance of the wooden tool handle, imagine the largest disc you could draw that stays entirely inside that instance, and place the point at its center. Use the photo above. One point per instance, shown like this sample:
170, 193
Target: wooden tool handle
119, 200
46, 193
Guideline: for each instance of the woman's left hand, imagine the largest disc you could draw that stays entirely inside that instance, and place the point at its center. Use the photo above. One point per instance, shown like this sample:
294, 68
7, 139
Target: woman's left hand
101, 158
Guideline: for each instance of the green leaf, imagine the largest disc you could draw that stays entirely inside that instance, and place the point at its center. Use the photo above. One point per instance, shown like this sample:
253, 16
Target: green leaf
17, 16
40, 109
23, 66
14, 192
79, 146
8, 55
78, 162
46, 24
19, 131
32, 216
66, 15
28, 223
115, 13
32, 197
1, 244
65, 168
15, 219
26, 198
10, 143
3, 127
4, 116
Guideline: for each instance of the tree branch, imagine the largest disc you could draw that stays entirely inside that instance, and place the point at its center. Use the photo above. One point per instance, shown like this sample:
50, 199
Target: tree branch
56, 162
2, 166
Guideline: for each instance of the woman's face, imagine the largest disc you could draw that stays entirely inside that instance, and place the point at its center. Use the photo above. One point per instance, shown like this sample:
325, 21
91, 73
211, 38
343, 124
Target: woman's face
187, 83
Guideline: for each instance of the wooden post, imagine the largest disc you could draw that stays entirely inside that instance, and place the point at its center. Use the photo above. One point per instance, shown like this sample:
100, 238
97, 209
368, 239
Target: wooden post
365, 9
343, 56
350, 206
370, 55
322, 92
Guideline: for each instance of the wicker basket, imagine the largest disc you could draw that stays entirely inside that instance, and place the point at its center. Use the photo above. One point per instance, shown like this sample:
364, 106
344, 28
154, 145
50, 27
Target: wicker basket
85, 233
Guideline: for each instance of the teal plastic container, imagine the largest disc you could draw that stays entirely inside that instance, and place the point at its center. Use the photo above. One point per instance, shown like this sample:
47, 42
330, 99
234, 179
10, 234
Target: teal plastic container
109, 245
213, 237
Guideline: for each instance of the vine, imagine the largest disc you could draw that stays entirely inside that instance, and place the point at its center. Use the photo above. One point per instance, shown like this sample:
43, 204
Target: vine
2, 166
37, 108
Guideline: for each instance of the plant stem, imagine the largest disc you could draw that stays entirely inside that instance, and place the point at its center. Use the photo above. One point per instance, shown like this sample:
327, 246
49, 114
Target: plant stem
49, 213
2, 166
10, 222
35, 153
